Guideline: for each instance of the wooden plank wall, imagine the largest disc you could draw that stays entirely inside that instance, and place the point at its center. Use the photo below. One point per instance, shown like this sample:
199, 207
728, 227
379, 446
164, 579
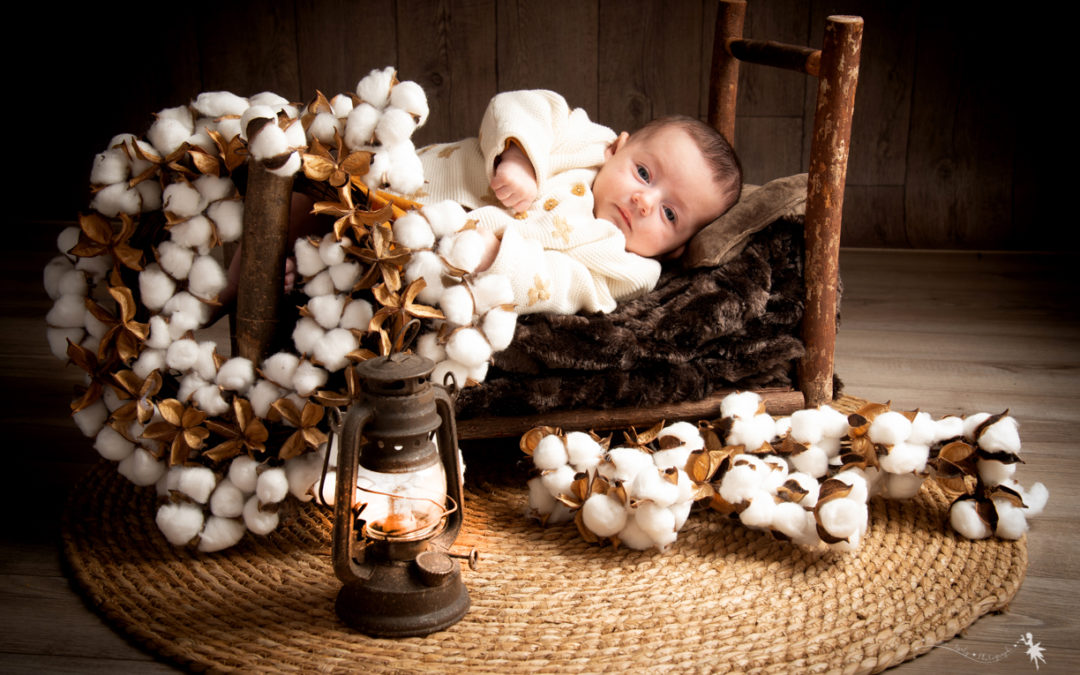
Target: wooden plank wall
937, 160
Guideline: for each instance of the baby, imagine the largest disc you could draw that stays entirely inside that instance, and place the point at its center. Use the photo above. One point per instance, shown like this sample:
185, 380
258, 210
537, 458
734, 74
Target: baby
575, 215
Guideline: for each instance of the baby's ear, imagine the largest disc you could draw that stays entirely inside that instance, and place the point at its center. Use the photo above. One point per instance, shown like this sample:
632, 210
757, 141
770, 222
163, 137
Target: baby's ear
616, 145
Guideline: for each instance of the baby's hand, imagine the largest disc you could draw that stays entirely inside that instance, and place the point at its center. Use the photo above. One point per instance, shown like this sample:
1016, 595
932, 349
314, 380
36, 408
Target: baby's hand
514, 182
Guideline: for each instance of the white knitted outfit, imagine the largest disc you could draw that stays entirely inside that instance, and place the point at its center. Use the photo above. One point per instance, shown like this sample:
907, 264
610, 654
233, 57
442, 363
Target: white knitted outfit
558, 256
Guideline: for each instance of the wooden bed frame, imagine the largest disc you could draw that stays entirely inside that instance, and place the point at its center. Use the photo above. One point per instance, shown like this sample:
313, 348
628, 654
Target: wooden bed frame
836, 65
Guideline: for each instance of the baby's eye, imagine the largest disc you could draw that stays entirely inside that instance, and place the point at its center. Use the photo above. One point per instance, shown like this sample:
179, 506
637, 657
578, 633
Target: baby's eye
643, 173
669, 213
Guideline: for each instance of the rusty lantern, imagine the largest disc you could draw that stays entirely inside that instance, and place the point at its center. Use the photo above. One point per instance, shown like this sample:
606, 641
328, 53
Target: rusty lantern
398, 503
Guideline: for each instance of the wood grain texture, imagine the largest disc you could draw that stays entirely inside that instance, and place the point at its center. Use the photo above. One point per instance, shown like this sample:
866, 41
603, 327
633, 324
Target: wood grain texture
247, 48
340, 41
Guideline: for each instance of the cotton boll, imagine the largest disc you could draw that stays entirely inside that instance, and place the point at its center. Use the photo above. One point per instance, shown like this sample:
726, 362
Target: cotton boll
603, 515
309, 262
155, 287
237, 374
993, 472
541, 502
834, 423
280, 368
58, 339
185, 313
972, 423
175, 259
115, 199
67, 240
808, 426
321, 284
965, 520
324, 126
220, 533
902, 485
326, 310
1001, 436
814, 461
947, 428
427, 345
344, 275
112, 445
360, 125
183, 200
167, 134
889, 428
227, 500
72, 282
270, 141
295, 135
228, 216
262, 395
374, 88
649, 485
558, 481
752, 432
394, 126
149, 195
457, 305
308, 378
95, 267
189, 384
658, 522
860, 487
412, 231
406, 173
303, 473
760, 513
491, 291
376, 178
463, 250
741, 404
341, 105
445, 217
459, 372
789, 519
272, 486
357, 315
333, 349
257, 520
583, 452
634, 537
243, 474
182, 355
54, 270
499, 326
214, 188
468, 347
69, 311
923, 429
831, 446
141, 468
624, 464
255, 111
410, 97
91, 418
275, 102
843, 518
219, 104
149, 361
111, 166
208, 398
673, 458
687, 434
180, 522
778, 473
207, 278
905, 458
206, 364
306, 334
196, 482
194, 233
426, 265
290, 167
550, 453
331, 250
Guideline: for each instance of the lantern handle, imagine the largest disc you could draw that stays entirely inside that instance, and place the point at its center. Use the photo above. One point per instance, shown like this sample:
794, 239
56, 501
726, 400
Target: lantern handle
345, 564
451, 459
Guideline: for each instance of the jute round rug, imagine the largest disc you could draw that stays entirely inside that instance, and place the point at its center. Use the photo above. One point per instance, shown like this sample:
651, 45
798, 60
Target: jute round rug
723, 598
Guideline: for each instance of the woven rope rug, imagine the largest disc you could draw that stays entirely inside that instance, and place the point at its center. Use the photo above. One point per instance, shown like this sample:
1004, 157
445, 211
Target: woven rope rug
722, 598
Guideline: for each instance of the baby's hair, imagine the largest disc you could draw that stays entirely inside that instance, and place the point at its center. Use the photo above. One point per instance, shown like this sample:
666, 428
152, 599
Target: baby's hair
718, 153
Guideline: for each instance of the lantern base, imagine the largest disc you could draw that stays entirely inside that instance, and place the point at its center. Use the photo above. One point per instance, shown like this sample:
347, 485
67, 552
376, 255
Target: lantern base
398, 601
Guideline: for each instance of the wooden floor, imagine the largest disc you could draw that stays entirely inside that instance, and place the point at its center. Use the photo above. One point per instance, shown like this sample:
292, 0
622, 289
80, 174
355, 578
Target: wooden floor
944, 332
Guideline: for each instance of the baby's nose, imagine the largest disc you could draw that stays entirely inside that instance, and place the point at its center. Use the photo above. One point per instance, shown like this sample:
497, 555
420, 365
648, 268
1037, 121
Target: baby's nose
645, 200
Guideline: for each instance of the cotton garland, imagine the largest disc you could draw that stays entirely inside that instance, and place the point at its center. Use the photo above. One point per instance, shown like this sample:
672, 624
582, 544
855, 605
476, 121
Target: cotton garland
231, 445
806, 478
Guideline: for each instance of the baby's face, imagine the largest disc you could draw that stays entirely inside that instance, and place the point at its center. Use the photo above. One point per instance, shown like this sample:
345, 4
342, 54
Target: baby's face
658, 190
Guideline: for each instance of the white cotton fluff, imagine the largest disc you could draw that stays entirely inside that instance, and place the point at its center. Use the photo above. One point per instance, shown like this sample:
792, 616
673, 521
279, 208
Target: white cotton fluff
308, 261
834, 422
263, 395
303, 472
189, 384
141, 468
624, 464
374, 88
807, 482
491, 291
182, 355
58, 339
168, 134
457, 305
275, 102
658, 522
789, 519
333, 349
150, 195
686, 433
1001, 436
280, 368
290, 167
445, 217
428, 266
550, 453
207, 278
201, 139
308, 378
778, 472
111, 398
558, 481
196, 482
923, 430
752, 432
219, 104
406, 172
341, 105
360, 125
412, 231
807, 426
272, 486
993, 472
761, 511
149, 361
243, 473
112, 445
175, 259
295, 135
965, 519
111, 166
332, 251
54, 271
463, 250
427, 345
583, 452
91, 418
498, 326
843, 518
357, 315
237, 374
66, 240
344, 275
634, 537
972, 423
904, 458
745, 478
185, 313
468, 347
324, 126
603, 515
95, 327
214, 188
947, 428
320, 284
220, 533
326, 310
183, 200
651, 486
541, 502
257, 520
206, 364
194, 233
228, 216
253, 112
741, 404
458, 371
889, 428
96, 267
672, 458
72, 282
227, 500
155, 287
69, 311
306, 334
410, 97
856, 480
270, 141
180, 522
210, 400
394, 126
115, 199
902, 485
1034, 498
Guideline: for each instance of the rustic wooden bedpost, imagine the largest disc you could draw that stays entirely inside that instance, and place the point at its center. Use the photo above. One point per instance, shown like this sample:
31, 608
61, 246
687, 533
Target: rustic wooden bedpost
725, 68
262, 261
839, 72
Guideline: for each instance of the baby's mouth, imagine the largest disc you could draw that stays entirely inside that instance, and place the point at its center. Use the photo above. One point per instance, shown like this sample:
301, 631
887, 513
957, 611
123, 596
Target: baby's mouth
625, 218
